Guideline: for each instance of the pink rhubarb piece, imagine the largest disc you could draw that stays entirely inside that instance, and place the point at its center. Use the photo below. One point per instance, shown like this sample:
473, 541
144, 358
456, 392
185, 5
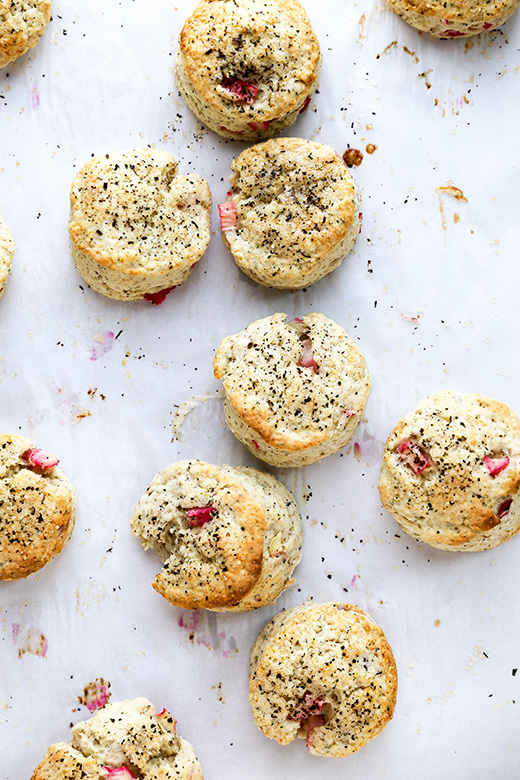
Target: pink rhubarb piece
309, 713
413, 456
503, 508
158, 297
307, 356
242, 89
228, 216
121, 773
496, 465
198, 516
39, 459
259, 125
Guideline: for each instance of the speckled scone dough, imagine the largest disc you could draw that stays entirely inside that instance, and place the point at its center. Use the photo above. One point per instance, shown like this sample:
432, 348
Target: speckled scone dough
247, 68
22, 23
6, 254
324, 672
229, 538
295, 390
136, 227
455, 18
37, 508
127, 736
451, 472
292, 212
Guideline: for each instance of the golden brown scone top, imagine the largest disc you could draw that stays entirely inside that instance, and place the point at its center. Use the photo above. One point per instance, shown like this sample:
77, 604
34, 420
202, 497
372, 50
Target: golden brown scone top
291, 406
37, 510
451, 472
328, 657
268, 43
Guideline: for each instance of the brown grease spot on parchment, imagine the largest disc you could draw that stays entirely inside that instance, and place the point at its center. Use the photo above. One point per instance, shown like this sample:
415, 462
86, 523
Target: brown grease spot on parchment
453, 192
425, 77
352, 157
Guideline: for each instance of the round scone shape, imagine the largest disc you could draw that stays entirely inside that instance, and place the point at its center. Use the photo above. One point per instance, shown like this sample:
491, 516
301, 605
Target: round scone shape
451, 472
136, 227
295, 390
247, 68
229, 538
292, 214
37, 508
456, 18
22, 23
6, 254
124, 740
324, 672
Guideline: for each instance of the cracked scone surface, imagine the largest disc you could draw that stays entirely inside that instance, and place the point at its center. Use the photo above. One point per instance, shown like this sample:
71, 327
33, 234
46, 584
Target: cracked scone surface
451, 472
22, 23
127, 734
324, 672
454, 18
297, 212
295, 390
6, 254
229, 538
136, 226
37, 510
267, 45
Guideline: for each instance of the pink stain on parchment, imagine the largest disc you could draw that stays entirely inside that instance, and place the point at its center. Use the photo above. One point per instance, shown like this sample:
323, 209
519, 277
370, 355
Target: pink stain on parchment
95, 694
203, 631
35, 98
29, 640
103, 343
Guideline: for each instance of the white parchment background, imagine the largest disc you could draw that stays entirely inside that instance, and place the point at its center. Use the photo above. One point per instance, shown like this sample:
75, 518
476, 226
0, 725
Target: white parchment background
441, 114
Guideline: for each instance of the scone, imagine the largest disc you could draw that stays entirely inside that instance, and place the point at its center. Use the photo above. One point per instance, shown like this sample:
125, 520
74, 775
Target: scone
295, 390
136, 227
37, 508
451, 472
292, 212
455, 18
22, 23
247, 68
229, 538
6, 254
124, 740
324, 672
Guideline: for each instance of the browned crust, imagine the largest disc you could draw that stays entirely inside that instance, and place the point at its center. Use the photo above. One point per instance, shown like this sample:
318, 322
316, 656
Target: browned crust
37, 512
215, 22
373, 704
458, 507
16, 39
237, 551
63, 762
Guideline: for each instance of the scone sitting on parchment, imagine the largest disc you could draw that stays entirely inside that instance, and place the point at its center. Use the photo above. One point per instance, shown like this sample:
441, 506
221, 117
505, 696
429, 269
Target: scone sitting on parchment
324, 672
22, 23
136, 227
292, 214
37, 508
124, 740
455, 18
295, 389
6, 254
247, 68
451, 472
229, 538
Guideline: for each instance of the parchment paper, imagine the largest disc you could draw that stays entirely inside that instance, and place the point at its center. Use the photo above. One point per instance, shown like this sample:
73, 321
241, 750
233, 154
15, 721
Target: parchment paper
431, 296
